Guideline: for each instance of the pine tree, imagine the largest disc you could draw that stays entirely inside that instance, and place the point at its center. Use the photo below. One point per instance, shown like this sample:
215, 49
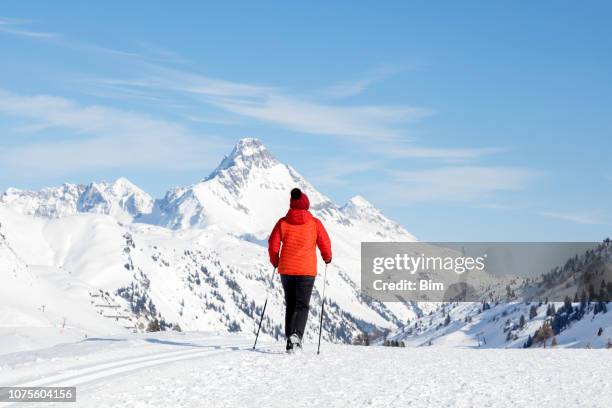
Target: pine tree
522, 321
592, 294
154, 326
600, 307
567, 304
533, 312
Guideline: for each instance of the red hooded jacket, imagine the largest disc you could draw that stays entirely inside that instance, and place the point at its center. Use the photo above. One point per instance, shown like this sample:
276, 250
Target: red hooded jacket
299, 233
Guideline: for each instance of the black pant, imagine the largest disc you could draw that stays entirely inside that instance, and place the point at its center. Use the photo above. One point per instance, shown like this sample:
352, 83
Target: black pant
297, 297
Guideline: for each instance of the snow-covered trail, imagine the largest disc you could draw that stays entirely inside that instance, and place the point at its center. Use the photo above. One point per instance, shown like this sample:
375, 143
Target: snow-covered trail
194, 370
99, 371
96, 359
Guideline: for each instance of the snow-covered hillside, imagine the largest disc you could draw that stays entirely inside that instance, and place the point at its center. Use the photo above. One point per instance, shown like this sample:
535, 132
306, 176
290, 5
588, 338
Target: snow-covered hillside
582, 320
467, 325
195, 260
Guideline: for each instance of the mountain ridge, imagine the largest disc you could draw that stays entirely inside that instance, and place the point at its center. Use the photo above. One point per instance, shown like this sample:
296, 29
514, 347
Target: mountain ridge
196, 261
120, 198
250, 169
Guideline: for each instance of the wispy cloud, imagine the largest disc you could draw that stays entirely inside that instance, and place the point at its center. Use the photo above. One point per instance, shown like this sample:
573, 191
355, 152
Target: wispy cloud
373, 122
349, 88
380, 126
108, 138
160, 79
504, 206
141, 50
19, 27
161, 54
580, 217
275, 106
453, 155
336, 172
382, 129
210, 119
346, 89
456, 184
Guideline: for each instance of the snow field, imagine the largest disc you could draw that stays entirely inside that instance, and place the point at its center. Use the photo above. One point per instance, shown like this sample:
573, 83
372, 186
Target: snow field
217, 370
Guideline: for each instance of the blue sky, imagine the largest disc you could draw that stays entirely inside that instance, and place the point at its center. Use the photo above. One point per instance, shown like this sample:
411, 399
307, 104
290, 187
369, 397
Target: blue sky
461, 120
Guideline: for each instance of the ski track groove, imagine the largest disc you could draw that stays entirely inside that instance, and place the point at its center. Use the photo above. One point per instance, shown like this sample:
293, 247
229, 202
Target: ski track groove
103, 370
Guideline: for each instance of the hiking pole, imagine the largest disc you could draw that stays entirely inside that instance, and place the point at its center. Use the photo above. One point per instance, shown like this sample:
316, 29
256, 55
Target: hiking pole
264, 308
322, 310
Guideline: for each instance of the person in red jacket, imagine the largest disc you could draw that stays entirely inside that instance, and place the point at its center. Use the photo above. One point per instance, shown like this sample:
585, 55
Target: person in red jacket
292, 249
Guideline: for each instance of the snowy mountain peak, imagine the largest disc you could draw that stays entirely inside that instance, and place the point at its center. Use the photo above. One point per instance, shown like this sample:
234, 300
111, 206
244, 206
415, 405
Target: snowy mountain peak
359, 202
246, 154
364, 213
249, 192
245, 194
51, 202
248, 146
120, 198
123, 183
357, 206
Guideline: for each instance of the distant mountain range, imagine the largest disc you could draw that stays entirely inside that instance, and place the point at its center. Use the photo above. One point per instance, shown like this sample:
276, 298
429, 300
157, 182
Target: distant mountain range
103, 258
194, 259
121, 199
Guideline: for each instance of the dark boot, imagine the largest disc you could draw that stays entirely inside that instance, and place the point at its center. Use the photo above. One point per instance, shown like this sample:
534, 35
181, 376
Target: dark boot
296, 342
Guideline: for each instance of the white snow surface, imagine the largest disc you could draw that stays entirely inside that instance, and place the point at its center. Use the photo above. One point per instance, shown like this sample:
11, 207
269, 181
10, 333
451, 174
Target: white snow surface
221, 370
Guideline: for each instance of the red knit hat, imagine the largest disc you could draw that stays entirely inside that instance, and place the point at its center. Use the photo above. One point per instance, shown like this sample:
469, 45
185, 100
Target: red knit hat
299, 200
